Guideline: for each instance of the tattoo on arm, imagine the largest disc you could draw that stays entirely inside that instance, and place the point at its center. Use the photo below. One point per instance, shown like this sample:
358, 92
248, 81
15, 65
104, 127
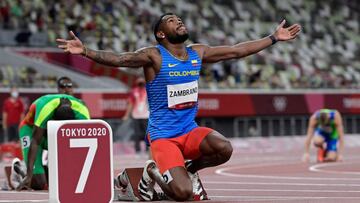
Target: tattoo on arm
128, 59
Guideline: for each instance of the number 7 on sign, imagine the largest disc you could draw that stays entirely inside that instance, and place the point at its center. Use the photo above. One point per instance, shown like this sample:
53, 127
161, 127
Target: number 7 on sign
92, 144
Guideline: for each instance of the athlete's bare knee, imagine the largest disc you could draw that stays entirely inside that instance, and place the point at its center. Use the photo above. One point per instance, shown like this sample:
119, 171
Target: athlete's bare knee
318, 144
226, 151
182, 192
331, 157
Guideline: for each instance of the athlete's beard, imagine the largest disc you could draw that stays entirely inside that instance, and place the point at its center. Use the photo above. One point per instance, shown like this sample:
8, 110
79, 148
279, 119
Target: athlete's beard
178, 39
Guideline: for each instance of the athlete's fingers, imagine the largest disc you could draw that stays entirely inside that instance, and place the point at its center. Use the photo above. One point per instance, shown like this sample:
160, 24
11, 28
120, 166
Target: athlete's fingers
20, 187
305, 157
281, 24
61, 41
28, 188
72, 35
23, 186
294, 36
294, 32
292, 27
62, 46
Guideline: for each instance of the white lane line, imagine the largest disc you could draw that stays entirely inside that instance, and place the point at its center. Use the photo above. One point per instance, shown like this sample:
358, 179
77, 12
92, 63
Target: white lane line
267, 200
24, 192
289, 184
283, 177
319, 168
272, 190
223, 171
15, 201
280, 197
266, 164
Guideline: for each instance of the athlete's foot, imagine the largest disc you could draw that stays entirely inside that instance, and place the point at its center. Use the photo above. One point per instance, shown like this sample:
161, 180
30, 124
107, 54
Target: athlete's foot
198, 192
17, 173
120, 181
320, 155
146, 184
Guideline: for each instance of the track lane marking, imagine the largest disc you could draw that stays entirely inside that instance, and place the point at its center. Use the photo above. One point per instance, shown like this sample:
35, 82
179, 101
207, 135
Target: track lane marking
281, 190
289, 184
318, 168
294, 184
281, 197
223, 172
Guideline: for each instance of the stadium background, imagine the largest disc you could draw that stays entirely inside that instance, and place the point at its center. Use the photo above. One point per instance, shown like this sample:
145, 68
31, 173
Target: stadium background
269, 94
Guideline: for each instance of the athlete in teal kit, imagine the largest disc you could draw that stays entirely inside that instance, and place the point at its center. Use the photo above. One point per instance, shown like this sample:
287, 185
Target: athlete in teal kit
325, 129
172, 71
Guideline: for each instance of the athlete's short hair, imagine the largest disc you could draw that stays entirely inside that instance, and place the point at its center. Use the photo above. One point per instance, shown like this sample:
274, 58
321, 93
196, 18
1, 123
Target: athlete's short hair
64, 110
157, 24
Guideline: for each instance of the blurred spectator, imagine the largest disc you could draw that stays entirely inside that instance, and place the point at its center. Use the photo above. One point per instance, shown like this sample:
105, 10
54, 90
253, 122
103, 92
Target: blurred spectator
253, 131
5, 14
137, 109
13, 113
25, 77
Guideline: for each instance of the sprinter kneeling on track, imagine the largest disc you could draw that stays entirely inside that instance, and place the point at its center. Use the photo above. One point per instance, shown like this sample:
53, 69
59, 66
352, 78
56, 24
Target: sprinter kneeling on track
33, 135
325, 129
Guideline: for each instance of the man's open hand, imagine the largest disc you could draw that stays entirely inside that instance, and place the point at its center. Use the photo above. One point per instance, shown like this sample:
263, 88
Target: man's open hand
73, 45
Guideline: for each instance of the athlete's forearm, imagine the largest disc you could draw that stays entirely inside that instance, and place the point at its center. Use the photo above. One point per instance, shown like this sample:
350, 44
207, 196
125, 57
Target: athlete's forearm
341, 147
103, 57
341, 144
309, 134
34, 145
31, 157
340, 131
219, 53
128, 59
252, 47
307, 145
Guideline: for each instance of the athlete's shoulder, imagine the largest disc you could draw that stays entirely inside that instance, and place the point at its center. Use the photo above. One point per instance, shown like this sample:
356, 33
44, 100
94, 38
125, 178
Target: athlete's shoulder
334, 110
199, 48
150, 50
44, 98
315, 115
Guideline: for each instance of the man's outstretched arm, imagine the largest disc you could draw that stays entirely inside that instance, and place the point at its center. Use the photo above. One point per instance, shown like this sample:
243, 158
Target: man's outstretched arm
218, 53
138, 58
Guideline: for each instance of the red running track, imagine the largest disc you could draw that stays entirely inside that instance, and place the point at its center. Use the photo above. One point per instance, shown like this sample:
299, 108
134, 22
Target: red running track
261, 170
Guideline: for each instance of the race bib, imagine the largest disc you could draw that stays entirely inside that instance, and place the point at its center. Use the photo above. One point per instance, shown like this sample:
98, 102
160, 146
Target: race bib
181, 96
25, 141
